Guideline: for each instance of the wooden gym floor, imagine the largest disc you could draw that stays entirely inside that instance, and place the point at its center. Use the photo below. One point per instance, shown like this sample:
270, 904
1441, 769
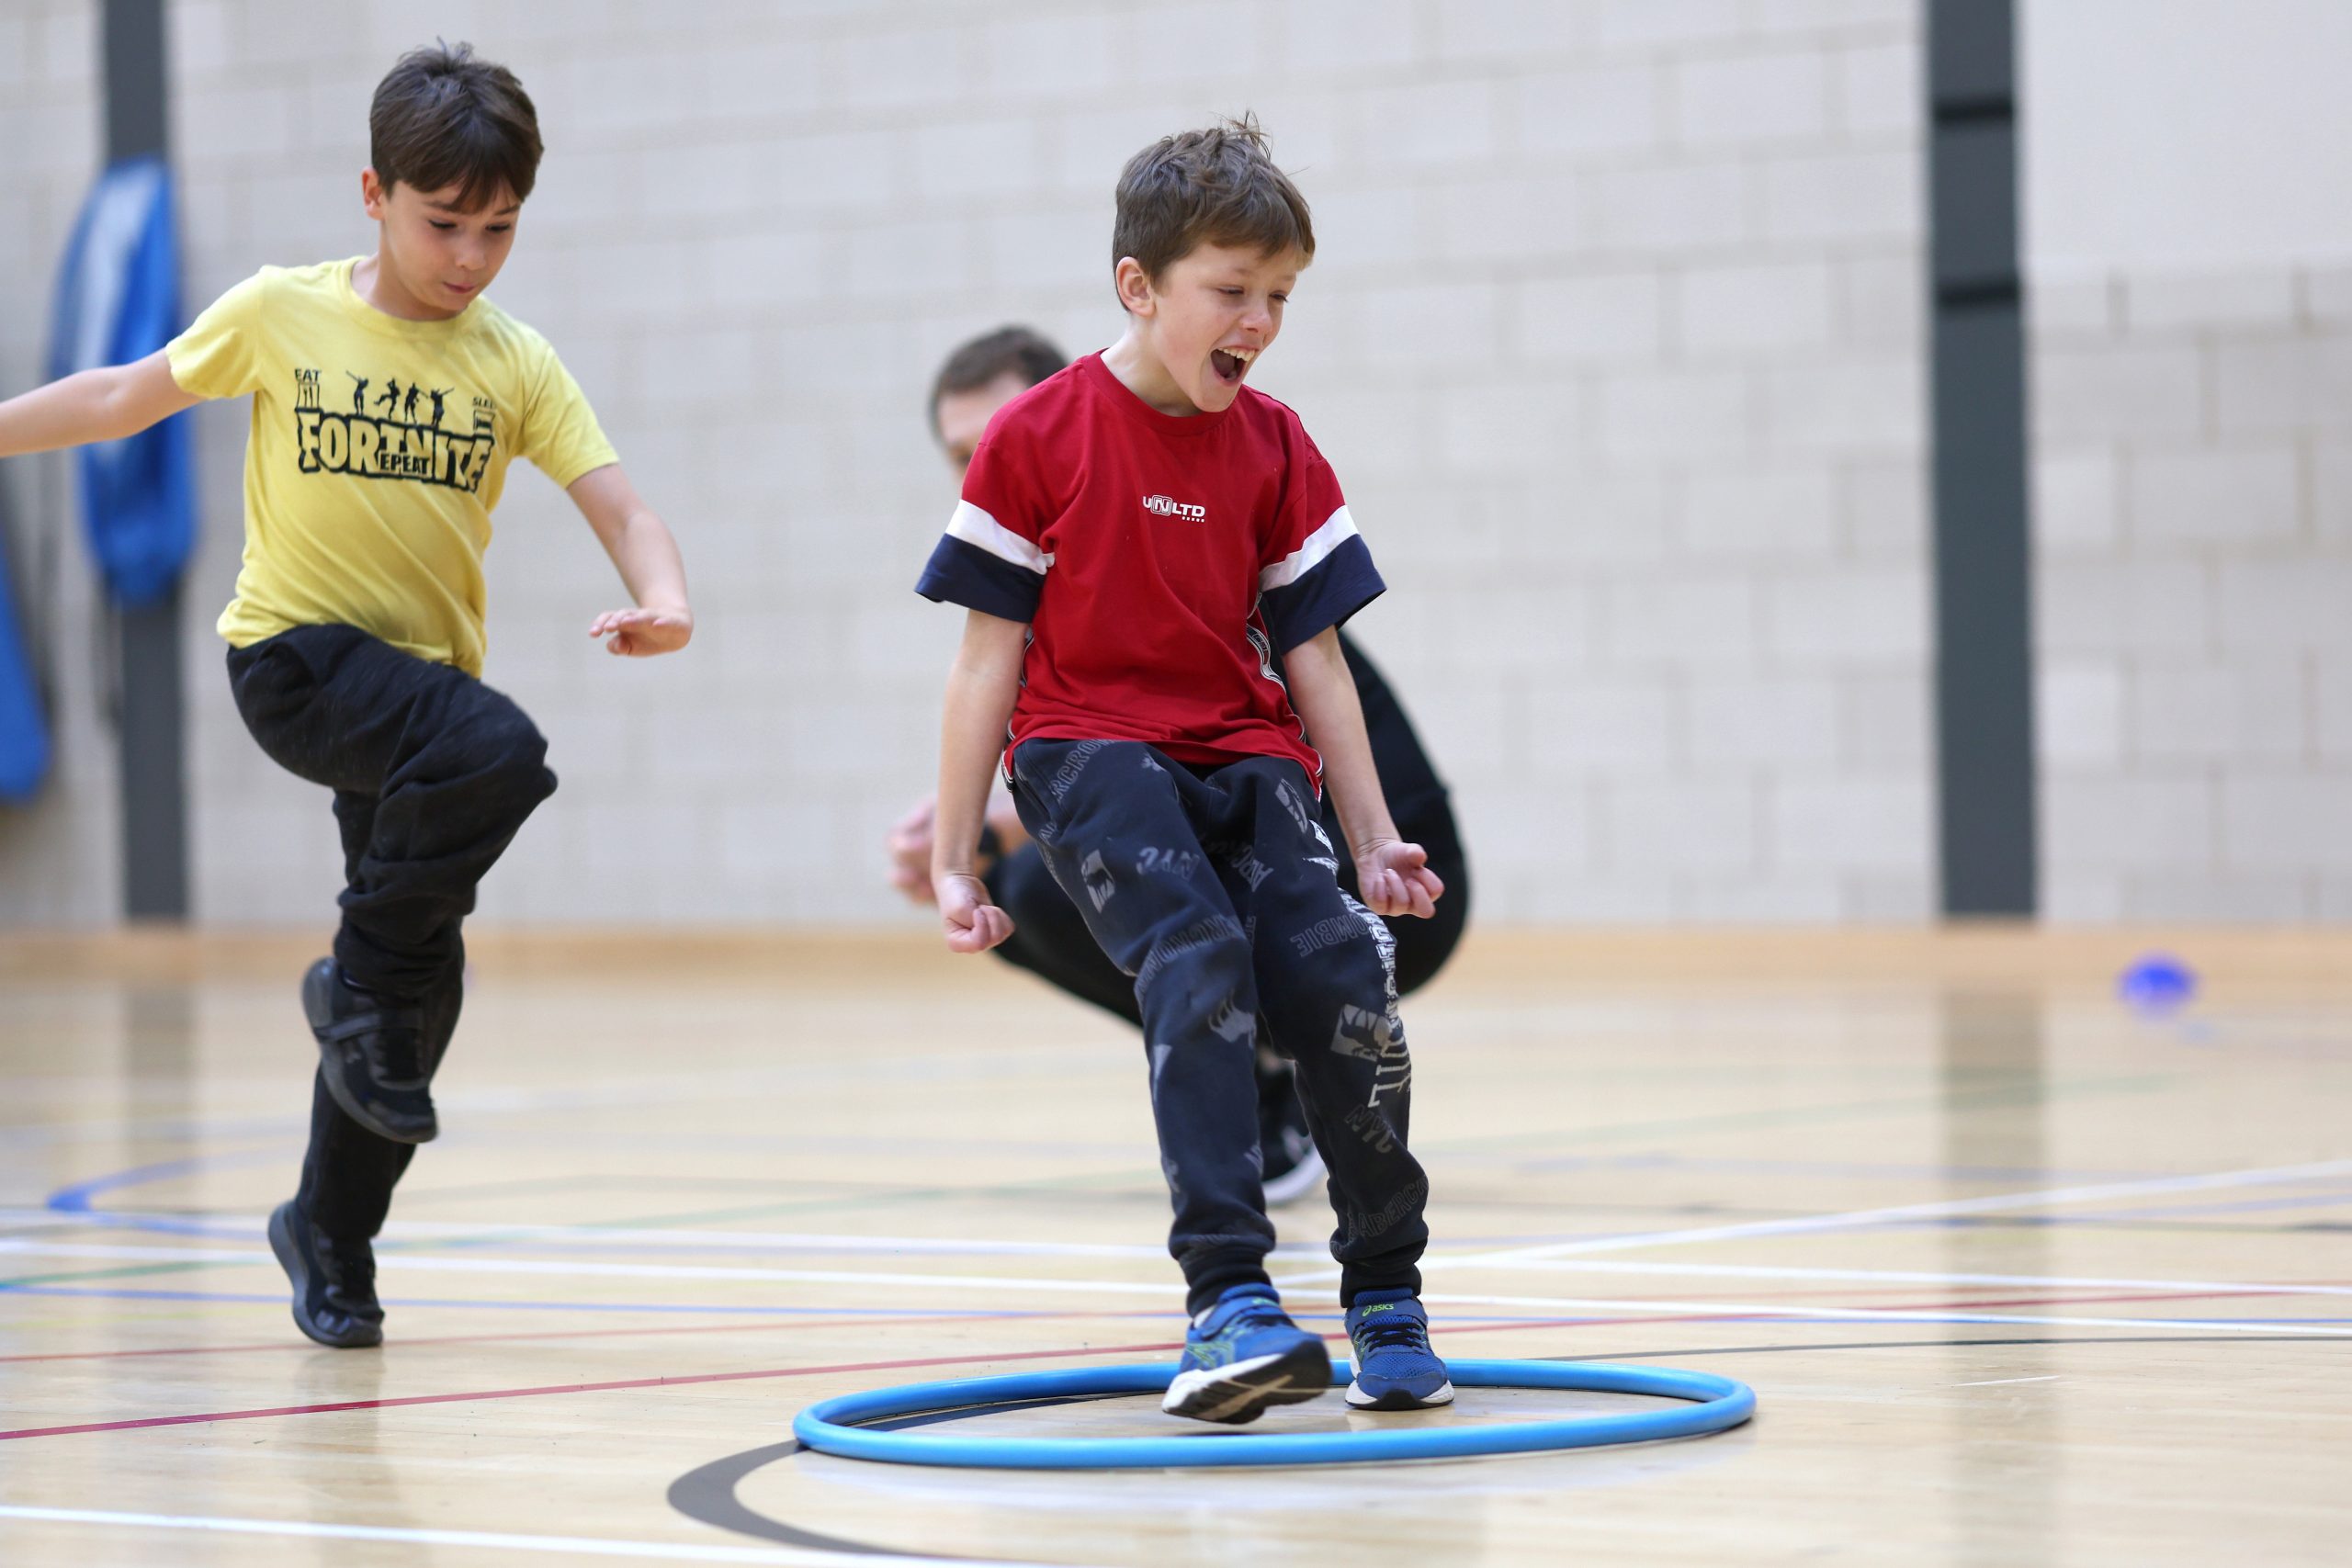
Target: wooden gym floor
2020, 1275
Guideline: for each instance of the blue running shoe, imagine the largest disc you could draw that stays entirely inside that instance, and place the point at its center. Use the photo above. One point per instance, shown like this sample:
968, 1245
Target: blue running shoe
1242, 1355
1396, 1368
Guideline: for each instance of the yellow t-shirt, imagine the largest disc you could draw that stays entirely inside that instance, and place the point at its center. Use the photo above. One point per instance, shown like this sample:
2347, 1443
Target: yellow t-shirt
378, 449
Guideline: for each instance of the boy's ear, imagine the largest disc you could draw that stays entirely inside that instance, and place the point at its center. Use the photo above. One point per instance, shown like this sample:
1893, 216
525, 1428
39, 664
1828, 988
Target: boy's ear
1135, 287
372, 194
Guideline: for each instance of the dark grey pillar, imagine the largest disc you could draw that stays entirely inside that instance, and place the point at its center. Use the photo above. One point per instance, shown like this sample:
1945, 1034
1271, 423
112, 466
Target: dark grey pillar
1983, 569
155, 773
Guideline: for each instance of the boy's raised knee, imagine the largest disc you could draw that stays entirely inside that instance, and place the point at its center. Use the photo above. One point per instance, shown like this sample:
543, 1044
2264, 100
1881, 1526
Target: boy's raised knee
509, 757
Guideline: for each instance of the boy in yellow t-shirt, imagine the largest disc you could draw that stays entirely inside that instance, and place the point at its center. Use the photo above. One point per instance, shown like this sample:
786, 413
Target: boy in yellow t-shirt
388, 398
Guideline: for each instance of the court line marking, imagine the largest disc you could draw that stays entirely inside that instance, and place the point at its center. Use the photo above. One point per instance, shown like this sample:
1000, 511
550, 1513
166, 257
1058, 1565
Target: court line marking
278, 1298
1859, 1218
912, 1316
202, 1418
977, 1247
397, 1234
1998, 1383
206, 1417
406, 1261
750, 1325
817, 1317
1609, 1305
494, 1541
1917, 1277
1612, 1314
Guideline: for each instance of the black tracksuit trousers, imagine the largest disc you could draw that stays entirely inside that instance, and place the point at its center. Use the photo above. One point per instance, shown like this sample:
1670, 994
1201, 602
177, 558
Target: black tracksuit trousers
433, 773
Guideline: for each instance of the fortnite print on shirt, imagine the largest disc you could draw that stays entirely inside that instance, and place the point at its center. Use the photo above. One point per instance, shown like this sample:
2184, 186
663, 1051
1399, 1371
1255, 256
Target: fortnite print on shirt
393, 431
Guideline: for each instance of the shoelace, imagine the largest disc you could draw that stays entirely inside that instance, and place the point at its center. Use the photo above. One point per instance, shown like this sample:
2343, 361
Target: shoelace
397, 1052
354, 1268
1392, 1333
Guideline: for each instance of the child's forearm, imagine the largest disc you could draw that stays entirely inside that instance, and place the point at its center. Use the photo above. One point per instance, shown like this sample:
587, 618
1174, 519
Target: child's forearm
981, 689
91, 405
635, 538
1325, 695
646, 556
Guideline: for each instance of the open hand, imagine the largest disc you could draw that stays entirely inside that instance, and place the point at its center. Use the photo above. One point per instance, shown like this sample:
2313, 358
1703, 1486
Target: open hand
1395, 879
637, 634
969, 921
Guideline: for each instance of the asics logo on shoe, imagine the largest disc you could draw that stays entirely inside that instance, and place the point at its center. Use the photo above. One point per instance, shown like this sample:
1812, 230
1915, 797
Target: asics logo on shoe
1168, 506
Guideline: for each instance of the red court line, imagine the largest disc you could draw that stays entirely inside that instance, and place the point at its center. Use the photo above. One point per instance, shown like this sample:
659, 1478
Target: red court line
651, 1382
581, 1388
990, 1356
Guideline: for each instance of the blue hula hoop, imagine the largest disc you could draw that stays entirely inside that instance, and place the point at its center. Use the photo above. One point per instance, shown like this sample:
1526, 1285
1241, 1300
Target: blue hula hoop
834, 1426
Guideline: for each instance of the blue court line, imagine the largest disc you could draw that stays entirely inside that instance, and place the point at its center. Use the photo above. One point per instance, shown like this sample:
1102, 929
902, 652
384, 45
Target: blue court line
77, 1199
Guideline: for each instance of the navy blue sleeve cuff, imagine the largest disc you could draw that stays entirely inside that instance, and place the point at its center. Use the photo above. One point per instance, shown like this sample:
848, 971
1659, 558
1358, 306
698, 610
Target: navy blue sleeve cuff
961, 573
1341, 583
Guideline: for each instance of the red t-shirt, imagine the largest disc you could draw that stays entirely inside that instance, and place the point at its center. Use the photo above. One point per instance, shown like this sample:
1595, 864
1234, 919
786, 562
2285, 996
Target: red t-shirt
1163, 564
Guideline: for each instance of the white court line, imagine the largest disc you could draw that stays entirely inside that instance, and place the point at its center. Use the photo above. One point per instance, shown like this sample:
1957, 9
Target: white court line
815, 1242
406, 1263
1856, 1219
400, 1231
1915, 1277
1878, 1315
1996, 1382
1581, 1304
572, 1545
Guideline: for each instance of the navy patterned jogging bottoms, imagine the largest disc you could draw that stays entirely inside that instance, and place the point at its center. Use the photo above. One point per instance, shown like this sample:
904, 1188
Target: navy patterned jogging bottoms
1217, 890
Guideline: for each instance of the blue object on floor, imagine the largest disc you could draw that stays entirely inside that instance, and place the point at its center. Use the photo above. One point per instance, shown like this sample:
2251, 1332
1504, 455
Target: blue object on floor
833, 1427
2157, 982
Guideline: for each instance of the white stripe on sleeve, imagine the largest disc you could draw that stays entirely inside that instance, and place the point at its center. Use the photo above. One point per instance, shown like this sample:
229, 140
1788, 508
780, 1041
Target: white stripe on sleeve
1336, 531
975, 527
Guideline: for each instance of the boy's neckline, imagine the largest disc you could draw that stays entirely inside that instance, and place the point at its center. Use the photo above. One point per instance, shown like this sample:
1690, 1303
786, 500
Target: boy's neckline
1124, 397
346, 275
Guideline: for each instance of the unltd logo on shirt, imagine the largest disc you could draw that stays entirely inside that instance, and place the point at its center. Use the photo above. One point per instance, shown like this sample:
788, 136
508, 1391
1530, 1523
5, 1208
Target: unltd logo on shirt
1167, 506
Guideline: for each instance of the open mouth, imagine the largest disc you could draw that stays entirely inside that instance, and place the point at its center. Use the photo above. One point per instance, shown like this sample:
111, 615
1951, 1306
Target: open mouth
1229, 364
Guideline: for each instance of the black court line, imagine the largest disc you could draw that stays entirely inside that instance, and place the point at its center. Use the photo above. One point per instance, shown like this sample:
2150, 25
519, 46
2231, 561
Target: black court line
708, 1495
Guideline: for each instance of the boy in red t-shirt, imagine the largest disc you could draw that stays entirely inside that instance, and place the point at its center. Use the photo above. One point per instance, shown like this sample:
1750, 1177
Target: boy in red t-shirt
1156, 561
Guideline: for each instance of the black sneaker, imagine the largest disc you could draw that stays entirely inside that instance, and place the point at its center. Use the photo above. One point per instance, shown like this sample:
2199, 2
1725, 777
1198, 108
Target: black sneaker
335, 1281
373, 1056
1290, 1167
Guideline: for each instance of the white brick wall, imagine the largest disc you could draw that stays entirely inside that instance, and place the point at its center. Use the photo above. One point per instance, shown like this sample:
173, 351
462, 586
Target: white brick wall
1615, 340
2193, 595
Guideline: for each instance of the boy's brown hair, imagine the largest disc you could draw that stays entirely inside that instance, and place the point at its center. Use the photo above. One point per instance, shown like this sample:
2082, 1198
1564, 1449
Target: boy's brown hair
1218, 186
441, 118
